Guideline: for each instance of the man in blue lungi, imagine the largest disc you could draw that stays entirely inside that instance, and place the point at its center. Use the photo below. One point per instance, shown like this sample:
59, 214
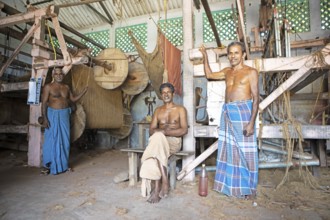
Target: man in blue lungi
237, 160
56, 100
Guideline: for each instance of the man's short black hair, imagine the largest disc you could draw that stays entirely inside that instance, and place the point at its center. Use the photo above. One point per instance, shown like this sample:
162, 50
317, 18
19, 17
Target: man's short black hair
236, 43
57, 68
168, 85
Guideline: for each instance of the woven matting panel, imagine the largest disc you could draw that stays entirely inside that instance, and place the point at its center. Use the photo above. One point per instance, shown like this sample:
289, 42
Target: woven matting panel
103, 108
78, 123
126, 129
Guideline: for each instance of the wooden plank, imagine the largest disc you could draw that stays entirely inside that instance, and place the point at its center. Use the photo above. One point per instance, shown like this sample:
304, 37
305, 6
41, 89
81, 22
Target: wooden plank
271, 131
15, 129
21, 18
6, 87
12, 49
309, 43
99, 14
70, 29
295, 79
14, 54
190, 166
199, 69
311, 78
141, 150
240, 5
268, 65
206, 131
24, 63
106, 12
34, 133
135, 150
172, 171
211, 21
310, 96
18, 35
61, 41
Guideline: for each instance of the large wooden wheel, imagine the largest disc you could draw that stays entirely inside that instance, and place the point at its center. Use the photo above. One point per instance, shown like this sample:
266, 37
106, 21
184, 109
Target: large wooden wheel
137, 79
113, 77
125, 129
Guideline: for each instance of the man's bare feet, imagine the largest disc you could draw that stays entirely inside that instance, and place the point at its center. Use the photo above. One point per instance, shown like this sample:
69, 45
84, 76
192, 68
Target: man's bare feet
164, 191
154, 197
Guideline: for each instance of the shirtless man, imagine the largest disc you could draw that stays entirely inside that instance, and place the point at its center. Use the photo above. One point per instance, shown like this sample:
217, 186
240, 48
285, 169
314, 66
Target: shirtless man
56, 100
168, 125
237, 139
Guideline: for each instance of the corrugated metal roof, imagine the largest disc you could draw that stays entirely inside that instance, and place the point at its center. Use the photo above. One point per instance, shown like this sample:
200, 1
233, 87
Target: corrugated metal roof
83, 15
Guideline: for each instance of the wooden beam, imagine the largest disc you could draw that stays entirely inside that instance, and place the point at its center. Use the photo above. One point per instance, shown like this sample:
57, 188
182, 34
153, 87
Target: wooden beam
298, 44
15, 62
240, 4
267, 65
70, 29
12, 49
12, 11
66, 56
202, 157
99, 14
106, 12
14, 54
210, 18
18, 86
270, 131
309, 96
309, 43
79, 3
21, 17
15, 129
311, 78
295, 79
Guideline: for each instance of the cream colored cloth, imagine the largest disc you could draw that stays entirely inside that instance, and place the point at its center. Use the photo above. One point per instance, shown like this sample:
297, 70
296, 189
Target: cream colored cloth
159, 148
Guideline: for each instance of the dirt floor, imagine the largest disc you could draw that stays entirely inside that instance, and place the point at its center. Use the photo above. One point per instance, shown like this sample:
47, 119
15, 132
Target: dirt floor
90, 193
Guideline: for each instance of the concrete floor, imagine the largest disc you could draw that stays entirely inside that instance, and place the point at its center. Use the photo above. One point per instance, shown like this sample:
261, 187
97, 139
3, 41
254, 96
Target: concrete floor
90, 193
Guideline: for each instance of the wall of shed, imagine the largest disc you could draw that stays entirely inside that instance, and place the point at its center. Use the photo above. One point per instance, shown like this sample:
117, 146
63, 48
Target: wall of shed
139, 109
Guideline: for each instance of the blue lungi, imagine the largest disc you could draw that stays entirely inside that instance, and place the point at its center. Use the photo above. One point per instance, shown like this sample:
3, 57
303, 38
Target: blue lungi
237, 160
56, 146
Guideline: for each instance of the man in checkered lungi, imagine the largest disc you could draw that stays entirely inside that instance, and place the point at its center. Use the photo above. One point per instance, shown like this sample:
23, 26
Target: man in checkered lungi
237, 160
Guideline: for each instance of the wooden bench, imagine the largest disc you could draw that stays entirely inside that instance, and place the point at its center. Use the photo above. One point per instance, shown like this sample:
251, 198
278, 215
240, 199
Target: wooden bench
134, 164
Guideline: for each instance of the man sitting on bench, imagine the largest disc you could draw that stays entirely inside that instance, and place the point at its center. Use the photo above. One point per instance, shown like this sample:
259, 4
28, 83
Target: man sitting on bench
168, 125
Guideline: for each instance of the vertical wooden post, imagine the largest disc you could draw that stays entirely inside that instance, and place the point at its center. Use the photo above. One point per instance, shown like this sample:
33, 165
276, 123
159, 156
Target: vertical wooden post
188, 82
239, 4
35, 135
132, 168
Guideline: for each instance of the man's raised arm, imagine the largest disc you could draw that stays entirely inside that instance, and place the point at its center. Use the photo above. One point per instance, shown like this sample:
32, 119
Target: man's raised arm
207, 69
